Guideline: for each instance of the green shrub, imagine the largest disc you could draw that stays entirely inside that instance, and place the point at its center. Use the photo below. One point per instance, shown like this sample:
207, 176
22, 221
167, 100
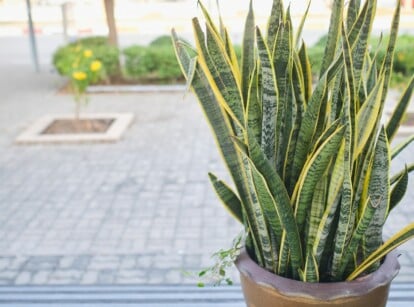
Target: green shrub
403, 57
161, 41
65, 56
403, 63
154, 62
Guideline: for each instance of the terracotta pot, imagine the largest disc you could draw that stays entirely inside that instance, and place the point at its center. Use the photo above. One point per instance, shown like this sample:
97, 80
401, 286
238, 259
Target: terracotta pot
264, 289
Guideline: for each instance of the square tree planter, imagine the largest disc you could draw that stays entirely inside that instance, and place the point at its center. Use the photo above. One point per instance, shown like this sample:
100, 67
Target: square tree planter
91, 127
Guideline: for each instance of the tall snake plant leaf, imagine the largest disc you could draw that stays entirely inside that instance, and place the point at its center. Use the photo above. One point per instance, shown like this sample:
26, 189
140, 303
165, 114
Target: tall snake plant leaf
254, 113
359, 49
367, 214
307, 129
333, 35
344, 227
352, 13
208, 18
311, 272
282, 55
229, 199
248, 56
218, 69
399, 111
392, 243
386, 67
231, 52
269, 99
282, 201
297, 105
368, 116
298, 39
276, 17
259, 210
306, 72
316, 212
379, 193
310, 175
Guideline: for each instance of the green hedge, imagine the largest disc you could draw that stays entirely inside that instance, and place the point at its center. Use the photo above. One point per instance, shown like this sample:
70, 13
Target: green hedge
155, 62
403, 57
65, 56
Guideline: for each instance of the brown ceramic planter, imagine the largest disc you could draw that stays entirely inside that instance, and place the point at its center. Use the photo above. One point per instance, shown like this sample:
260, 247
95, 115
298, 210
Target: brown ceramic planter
264, 289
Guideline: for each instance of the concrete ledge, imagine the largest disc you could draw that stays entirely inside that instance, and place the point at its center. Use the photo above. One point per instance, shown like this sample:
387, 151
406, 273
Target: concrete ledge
33, 134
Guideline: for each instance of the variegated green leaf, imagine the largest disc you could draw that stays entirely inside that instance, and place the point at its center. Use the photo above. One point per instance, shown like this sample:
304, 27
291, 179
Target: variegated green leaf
254, 112
296, 105
282, 56
311, 173
269, 99
379, 194
316, 212
353, 10
219, 71
392, 243
368, 116
231, 52
311, 272
344, 228
248, 60
333, 35
359, 49
386, 67
306, 72
276, 17
367, 214
308, 127
282, 201
298, 39
258, 212
207, 17
229, 199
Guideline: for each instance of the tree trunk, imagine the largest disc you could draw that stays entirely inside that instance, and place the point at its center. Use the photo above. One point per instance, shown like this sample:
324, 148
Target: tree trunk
110, 19
112, 35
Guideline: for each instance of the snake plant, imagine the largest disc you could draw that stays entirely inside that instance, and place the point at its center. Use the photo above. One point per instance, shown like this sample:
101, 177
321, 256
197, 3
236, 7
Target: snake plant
309, 155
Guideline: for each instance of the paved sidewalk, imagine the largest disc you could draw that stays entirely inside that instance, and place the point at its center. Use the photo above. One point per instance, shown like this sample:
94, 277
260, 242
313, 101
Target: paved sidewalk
140, 211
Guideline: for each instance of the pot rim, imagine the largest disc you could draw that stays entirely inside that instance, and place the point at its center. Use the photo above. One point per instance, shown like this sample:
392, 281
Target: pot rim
323, 290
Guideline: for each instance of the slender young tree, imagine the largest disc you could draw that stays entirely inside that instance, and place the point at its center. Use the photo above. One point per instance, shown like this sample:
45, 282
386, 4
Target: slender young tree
110, 19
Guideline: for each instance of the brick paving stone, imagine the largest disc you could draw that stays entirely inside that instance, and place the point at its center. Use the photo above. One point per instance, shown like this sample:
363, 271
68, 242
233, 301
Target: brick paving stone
89, 278
23, 278
65, 277
106, 277
41, 277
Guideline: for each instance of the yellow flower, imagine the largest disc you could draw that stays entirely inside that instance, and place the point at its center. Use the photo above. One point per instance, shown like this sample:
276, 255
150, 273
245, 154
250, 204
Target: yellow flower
79, 75
95, 65
87, 53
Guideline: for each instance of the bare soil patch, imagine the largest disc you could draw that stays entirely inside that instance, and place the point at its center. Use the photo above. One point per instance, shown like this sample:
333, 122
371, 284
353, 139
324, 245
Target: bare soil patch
75, 126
